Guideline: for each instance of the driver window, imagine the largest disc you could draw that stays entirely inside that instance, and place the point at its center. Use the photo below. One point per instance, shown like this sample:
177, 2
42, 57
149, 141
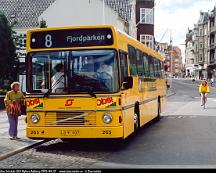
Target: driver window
124, 66
105, 67
93, 70
87, 64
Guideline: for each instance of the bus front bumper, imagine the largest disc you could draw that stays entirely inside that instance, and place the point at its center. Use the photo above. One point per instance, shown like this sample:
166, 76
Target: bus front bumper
74, 132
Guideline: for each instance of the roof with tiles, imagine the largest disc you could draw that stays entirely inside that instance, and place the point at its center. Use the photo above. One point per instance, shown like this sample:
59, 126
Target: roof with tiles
122, 7
24, 13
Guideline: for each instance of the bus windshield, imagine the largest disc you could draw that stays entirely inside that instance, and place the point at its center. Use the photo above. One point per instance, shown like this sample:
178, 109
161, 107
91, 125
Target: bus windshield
85, 71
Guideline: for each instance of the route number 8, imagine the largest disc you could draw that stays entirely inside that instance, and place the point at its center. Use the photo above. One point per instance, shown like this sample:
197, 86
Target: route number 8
48, 40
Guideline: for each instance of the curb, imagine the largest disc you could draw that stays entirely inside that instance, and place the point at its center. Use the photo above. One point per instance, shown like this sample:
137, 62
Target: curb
172, 93
19, 150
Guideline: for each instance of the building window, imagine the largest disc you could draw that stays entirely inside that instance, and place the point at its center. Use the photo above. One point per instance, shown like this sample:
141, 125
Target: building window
201, 32
176, 65
176, 60
176, 71
147, 40
196, 48
212, 40
147, 15
205, 31
201, 57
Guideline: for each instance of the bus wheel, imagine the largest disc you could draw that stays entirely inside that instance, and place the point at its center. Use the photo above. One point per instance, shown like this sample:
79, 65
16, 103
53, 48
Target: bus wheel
136, 118
158, 110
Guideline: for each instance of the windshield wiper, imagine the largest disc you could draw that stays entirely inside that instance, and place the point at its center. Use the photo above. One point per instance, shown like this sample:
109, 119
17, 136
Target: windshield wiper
47, 93
91, 93
87, 90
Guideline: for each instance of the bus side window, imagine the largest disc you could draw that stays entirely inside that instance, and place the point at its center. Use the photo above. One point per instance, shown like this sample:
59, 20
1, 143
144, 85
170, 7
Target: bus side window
146, 66
139, 63
157, 68
132, 58
162, 70
151, 67
124, 66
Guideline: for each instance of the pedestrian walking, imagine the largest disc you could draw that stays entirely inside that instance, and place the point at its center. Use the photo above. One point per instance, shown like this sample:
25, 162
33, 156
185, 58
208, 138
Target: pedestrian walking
13, 101
193, 80
204, 90
212, 81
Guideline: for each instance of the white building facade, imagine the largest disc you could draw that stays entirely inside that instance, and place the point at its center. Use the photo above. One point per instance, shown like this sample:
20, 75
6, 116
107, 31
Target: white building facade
81, 13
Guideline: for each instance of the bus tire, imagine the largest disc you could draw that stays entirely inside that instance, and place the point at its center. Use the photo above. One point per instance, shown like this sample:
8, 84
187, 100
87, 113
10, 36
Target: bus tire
136, 117
158, 110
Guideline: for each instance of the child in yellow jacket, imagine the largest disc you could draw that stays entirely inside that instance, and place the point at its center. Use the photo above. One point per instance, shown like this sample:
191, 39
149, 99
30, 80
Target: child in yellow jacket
204, 90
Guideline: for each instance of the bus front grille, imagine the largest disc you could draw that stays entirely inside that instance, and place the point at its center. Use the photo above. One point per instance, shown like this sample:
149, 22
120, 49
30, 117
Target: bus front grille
70, 119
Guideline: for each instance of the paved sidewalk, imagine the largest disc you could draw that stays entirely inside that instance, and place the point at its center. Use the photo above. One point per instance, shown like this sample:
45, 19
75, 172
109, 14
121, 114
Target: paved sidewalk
170, 92
9, 147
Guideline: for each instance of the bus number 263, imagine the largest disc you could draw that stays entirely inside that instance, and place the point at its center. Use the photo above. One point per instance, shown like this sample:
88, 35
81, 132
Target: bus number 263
106, 132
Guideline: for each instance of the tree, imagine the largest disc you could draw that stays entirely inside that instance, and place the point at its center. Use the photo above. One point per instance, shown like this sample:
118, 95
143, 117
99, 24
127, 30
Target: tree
43, 24
7, 49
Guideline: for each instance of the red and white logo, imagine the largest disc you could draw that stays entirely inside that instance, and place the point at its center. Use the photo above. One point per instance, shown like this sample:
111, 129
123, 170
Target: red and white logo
69, 102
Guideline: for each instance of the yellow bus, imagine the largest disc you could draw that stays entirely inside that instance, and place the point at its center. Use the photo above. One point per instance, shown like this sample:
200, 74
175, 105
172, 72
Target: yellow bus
90, 82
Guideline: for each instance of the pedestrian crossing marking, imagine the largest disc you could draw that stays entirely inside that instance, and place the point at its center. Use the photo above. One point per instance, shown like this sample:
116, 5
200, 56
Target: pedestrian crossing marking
181, 116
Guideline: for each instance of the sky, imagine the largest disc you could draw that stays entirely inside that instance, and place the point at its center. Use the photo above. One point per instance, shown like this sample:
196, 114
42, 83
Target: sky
173, 17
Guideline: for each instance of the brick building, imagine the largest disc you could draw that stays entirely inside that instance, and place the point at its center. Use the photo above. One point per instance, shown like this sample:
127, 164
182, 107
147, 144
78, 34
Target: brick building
173, 59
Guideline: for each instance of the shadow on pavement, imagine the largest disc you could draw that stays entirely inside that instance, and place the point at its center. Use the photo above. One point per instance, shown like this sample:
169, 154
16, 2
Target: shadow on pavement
93, 145
210, 107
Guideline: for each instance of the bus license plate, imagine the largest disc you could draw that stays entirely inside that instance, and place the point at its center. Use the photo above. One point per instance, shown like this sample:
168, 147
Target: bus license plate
70, 132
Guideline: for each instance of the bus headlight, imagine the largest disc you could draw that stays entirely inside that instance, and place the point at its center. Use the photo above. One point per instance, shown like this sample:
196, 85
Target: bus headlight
35, 118
107, 118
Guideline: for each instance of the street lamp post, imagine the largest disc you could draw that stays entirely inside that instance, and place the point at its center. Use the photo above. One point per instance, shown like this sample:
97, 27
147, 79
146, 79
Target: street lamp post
185, 58
171, 61
171, 66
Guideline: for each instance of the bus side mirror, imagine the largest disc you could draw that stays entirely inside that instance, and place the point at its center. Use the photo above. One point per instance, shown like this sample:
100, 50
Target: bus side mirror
128, 83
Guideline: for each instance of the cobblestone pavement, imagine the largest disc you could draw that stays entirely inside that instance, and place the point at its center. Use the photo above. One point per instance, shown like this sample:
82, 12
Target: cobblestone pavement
57, 154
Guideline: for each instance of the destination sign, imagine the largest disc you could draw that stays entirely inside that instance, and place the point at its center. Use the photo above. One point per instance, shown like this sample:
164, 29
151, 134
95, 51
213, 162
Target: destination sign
71, 38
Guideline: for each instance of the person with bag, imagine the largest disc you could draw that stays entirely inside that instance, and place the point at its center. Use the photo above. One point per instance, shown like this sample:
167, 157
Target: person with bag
13, 101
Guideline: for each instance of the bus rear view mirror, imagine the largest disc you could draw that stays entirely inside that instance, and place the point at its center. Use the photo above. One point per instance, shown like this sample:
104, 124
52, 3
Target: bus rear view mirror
128, 83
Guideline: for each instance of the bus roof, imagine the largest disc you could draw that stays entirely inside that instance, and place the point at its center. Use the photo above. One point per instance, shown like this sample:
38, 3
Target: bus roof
70, 27
141, 46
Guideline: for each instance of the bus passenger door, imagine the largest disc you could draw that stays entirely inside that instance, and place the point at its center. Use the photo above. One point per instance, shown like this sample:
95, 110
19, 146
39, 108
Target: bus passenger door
125, 95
